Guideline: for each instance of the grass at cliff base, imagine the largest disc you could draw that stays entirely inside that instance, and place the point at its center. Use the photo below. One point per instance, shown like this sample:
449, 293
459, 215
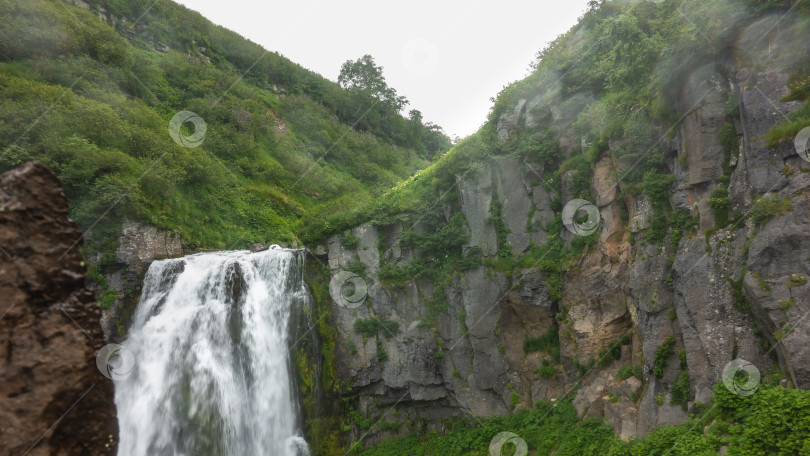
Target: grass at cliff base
773, 421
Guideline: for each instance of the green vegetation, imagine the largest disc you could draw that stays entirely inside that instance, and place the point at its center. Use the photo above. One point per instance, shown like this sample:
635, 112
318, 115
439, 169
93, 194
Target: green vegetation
728, 137
514, 400
672, 314
607, 355
720, 203
631, 95
106, 295
681, 390
762, 283
544, 428
382, 355
782, 333
662, 355
799, 90
769, 206
546, 369
357, 267
501, 232
548, 342
626, 372
349, 240
283, 145
746, 425
374, 325
316, 370
681, 222
796, 280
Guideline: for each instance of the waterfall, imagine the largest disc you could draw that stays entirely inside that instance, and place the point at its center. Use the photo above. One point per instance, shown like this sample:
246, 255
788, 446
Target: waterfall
212, 369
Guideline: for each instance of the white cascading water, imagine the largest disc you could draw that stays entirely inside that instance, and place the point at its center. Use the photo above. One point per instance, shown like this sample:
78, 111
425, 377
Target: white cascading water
211, 372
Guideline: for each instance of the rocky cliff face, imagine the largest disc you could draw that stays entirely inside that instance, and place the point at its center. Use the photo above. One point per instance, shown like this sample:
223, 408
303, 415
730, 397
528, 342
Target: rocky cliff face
53, 399
137, 246
695, 303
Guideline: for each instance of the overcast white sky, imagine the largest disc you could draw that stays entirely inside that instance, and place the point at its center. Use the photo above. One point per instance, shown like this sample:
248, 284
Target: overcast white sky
448, 57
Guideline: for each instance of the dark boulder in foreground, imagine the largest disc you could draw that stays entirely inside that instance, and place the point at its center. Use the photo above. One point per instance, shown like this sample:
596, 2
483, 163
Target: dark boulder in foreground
53, 399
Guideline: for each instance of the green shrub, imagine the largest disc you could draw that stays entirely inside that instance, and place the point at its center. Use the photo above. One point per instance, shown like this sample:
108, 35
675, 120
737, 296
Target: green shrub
580, 176
681, 222
349, 240
768, 206
546, 371
514, 400
782, 333
719, 203
656, 187
729, 139
372, 326
626, 372
271, 169
681, 390
382, 355
610, 354
662, 355
389, 426
548, 342
496, 218
658, 227
357, 267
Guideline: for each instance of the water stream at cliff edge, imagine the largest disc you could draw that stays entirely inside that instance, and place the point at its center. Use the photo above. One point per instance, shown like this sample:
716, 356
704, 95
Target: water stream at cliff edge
212, 373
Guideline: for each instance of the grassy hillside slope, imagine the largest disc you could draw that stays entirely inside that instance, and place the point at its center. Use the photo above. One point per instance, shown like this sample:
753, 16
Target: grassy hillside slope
89, 90
619, 74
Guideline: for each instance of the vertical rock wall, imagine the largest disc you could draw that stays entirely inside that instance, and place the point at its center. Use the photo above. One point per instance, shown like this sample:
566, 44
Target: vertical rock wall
723, 293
